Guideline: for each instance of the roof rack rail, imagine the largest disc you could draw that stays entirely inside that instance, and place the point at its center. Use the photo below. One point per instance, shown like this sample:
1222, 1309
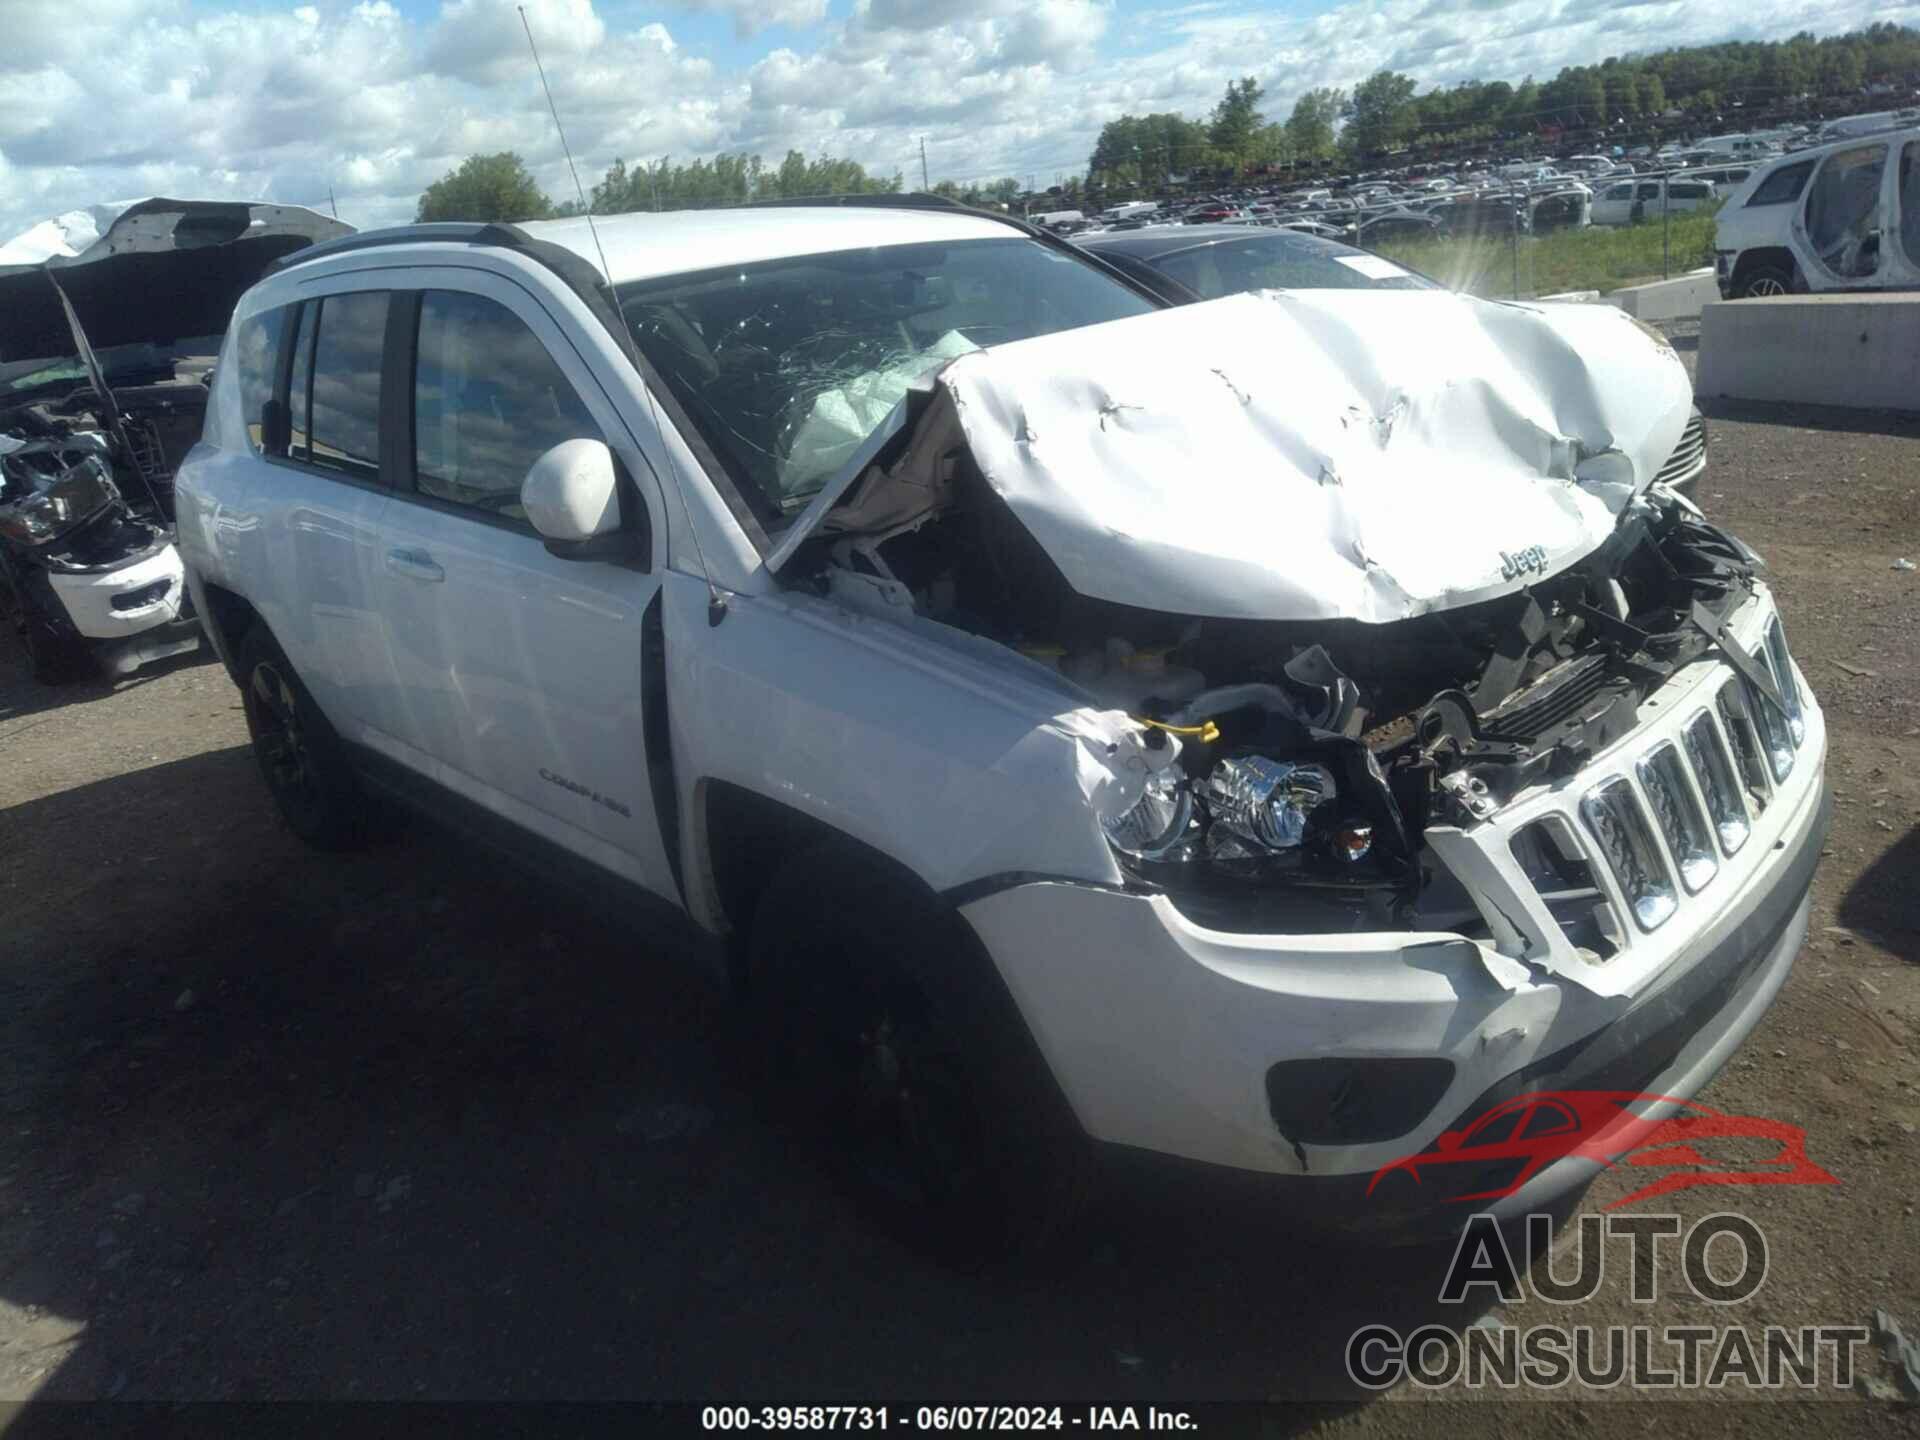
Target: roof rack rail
467, 232
895, 200
882, 199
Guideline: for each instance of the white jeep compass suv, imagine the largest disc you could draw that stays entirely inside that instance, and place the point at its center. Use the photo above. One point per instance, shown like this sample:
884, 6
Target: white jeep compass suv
1267, 733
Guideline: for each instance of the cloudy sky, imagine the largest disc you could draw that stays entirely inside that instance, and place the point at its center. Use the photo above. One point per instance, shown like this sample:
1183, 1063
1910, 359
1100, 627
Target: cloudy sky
271, 99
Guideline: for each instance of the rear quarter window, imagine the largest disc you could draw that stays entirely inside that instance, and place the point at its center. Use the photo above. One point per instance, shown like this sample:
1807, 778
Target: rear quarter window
256, 359
1782, 185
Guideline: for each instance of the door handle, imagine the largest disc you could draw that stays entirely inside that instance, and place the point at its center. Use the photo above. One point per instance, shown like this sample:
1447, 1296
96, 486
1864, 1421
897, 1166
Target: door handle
414, 565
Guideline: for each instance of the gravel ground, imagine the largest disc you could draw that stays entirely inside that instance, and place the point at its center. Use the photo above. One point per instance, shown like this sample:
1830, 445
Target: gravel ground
279, 1124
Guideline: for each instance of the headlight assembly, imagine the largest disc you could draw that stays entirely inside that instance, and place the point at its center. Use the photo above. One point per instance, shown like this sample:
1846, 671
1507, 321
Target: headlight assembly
1260, 805
1157, 826
1246, 817
54, 504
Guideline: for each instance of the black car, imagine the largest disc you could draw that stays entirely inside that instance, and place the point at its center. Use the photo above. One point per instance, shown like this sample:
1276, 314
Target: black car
1186, 263
1485, 215
1397, 225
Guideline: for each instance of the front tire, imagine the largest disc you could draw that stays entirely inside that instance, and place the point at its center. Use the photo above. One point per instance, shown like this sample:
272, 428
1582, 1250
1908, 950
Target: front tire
300, 756
1765, 280
52, 657
884, 1037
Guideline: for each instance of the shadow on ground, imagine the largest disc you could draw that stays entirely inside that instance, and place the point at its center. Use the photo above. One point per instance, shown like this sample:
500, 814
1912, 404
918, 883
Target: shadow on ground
401, 1124
1880, 903
1824, 418
25, 702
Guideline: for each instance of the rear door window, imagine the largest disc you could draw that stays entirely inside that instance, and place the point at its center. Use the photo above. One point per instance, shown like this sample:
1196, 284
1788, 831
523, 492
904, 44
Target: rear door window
345, 404
1843, 212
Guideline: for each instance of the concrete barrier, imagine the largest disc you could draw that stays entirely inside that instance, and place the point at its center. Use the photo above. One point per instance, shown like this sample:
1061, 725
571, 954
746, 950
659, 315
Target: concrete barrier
1677, 299
1861, 350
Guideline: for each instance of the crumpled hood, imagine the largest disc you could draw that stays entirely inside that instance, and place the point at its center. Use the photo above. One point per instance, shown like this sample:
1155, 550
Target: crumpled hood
1329, 454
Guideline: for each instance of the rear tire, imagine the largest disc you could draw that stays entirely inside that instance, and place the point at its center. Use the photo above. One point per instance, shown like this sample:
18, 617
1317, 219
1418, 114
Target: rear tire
883, 1036
300, 756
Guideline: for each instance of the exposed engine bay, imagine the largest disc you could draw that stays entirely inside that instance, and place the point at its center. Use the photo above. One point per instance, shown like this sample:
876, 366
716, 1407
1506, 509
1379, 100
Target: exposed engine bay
1385, 729
139, 439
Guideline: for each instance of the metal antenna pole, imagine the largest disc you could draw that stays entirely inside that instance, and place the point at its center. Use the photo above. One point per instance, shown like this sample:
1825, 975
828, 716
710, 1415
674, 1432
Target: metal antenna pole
925, 183
716, 602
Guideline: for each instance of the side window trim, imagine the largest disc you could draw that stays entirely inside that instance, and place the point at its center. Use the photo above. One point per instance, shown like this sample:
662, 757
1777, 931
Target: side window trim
396, 393
306, 309
282, 369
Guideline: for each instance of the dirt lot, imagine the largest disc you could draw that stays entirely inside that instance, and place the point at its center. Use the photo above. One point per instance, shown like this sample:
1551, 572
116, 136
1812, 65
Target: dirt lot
403, 1125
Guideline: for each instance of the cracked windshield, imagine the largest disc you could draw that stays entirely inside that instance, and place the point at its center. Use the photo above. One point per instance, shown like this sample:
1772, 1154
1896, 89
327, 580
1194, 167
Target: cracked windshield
786, 367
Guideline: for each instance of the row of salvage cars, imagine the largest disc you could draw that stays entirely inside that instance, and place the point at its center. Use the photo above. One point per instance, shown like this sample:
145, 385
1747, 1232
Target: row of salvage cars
110, 322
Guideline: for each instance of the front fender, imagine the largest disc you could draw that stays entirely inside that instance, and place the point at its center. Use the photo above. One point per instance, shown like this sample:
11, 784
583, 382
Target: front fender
958, 766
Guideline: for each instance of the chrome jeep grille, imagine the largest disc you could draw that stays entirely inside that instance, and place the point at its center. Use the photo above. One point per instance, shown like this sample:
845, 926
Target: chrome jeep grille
1688, 456
1660, 823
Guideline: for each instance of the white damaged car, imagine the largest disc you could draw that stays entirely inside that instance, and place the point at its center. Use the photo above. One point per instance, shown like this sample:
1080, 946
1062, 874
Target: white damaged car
110, 318
1263, 735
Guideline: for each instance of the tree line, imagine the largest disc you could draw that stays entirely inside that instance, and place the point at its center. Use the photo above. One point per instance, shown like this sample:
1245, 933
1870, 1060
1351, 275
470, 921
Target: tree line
1386, 112
499, 187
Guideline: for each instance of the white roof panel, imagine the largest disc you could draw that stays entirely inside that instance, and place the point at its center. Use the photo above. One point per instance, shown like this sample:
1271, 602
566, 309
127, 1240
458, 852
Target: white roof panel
643, 246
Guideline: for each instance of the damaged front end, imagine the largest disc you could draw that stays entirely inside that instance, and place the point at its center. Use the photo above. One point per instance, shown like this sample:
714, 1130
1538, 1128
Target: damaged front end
105, 359
1318, 772
88, 573
1313, 612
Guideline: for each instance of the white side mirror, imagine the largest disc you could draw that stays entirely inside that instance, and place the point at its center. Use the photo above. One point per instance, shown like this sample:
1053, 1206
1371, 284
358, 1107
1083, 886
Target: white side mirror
572, 494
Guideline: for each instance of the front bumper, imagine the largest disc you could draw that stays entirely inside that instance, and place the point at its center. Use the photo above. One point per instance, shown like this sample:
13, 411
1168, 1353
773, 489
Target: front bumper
130, 616
1162, 1033
115, 604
